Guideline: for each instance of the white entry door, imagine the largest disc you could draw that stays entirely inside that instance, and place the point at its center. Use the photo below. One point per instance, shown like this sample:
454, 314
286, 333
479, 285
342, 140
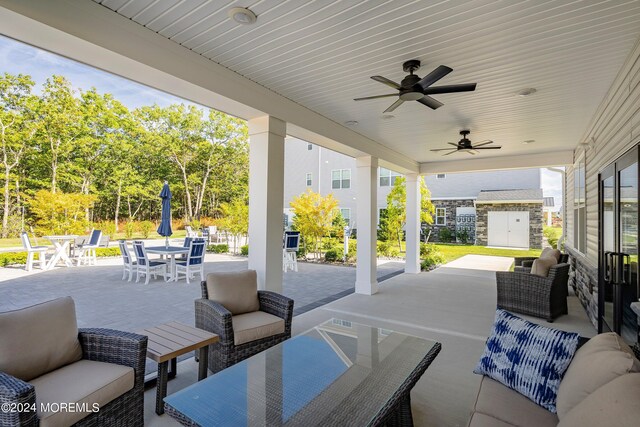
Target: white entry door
508, 228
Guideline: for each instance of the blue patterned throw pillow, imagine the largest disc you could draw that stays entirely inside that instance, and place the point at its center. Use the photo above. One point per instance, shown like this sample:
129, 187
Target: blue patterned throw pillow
528, 358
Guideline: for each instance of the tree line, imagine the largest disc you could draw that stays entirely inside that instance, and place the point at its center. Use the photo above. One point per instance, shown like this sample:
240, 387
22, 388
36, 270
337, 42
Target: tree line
91, 155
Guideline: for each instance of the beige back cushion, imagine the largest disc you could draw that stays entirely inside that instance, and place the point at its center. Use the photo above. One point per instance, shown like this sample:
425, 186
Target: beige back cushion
600, 360
613, 404
551, 252
237, 291
39, 339
541, 266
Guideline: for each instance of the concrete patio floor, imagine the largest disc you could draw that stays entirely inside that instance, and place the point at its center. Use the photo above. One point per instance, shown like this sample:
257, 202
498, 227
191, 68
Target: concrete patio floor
454, 304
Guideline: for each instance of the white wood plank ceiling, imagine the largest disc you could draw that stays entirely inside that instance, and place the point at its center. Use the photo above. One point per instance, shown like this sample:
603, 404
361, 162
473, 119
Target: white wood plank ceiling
321, 54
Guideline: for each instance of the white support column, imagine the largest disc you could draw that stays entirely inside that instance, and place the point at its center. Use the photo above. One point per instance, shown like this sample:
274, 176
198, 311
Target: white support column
412, 226
366, 204
266, 198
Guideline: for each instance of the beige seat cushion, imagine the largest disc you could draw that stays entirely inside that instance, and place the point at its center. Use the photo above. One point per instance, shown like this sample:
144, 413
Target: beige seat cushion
510, 407
602, 359
541, 266
84, 382
613, 404
547, 252
253, 326
483, 420
237, 291
39, 339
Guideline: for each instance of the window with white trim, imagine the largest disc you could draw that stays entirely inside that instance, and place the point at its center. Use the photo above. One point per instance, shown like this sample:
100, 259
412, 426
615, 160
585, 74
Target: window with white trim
309, 146
340, 178
579, 206
346, 215
387, 177
441, 216
309, 181
441, 176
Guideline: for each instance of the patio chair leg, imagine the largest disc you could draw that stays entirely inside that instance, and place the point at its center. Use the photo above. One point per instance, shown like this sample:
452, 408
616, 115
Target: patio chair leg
43, 260
137, 276
124, 273
147, 276
29, 261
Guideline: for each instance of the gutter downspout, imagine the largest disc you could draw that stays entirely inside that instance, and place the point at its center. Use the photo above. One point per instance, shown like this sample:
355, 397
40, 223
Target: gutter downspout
564, 205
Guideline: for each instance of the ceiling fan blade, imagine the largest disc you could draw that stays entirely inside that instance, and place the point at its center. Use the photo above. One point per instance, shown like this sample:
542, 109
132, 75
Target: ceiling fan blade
393, 106
487, 148
451, 143
434, 76
430, 102
453, 151
482, 143
386, 81
467, 87
471, 152
443, 149
375, 97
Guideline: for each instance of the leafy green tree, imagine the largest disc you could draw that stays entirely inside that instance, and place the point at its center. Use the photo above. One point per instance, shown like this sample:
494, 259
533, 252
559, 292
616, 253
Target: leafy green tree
314, 217
236, 219
60, 213
61, 124
395, 215
16, 131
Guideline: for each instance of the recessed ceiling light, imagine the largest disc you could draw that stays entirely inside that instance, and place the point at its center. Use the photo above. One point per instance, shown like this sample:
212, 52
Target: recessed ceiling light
388, 116
527, 91
351, 122
242, 15
528, 141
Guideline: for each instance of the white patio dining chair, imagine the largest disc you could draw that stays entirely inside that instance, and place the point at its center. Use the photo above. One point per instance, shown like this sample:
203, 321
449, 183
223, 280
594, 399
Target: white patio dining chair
87, 251
127, 258
194, 262
190, 231
146, 266
32, 250
289, 251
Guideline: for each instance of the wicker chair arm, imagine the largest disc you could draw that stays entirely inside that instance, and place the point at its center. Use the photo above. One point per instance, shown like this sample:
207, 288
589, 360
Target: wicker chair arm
522, 280
276, 304
21, 398
213, 317
118, 347
522, 269
520, 260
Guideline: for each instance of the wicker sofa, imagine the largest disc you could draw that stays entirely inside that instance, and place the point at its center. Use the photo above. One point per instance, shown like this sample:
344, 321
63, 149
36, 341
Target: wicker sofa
46, 361
247, 321
600, 388
526, 293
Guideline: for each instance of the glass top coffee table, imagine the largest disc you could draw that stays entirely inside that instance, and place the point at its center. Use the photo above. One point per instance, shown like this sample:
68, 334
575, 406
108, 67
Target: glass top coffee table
338, 373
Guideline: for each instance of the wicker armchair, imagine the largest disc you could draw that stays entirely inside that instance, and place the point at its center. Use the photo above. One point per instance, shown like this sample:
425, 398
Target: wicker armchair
214, 317
524, 263
98, 345
544, 297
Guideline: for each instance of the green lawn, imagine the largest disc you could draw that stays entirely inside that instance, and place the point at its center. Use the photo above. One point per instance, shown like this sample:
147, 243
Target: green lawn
452, 251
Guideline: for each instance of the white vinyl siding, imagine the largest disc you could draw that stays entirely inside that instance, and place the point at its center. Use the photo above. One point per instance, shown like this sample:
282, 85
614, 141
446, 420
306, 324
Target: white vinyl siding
614, 129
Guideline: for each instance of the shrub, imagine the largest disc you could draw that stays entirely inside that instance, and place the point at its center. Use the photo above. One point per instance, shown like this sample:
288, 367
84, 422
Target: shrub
393, 252
432, 260
196, 224
11, 258
427, 248
108, 228
129, 229
552, 234
383, 248
445, 235
107, 252
218, 249
244, 250
463, 236
329, 243
302, 252
352, 254
331, 255
145, 228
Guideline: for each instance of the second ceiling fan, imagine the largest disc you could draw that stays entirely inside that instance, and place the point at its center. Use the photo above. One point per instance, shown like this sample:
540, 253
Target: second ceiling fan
413, 88
465, 145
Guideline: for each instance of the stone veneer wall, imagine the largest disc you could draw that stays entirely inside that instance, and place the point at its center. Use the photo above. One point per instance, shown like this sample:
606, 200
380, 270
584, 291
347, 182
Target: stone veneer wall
584, 281
535, 220
450, 221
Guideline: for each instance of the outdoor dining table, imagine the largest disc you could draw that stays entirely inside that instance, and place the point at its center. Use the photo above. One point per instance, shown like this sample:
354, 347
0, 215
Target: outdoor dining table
170, 252
61, 245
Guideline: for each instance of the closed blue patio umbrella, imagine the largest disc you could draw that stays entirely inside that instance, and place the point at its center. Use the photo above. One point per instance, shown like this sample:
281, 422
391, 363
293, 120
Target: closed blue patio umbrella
165, 222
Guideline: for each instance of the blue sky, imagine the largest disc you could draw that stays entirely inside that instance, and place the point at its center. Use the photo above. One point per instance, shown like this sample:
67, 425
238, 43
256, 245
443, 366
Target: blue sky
16, 57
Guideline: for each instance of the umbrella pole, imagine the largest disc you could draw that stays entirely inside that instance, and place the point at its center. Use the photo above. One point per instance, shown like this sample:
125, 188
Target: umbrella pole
166, 242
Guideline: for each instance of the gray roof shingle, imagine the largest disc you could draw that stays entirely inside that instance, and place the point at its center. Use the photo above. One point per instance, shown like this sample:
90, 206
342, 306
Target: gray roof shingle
506, 196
